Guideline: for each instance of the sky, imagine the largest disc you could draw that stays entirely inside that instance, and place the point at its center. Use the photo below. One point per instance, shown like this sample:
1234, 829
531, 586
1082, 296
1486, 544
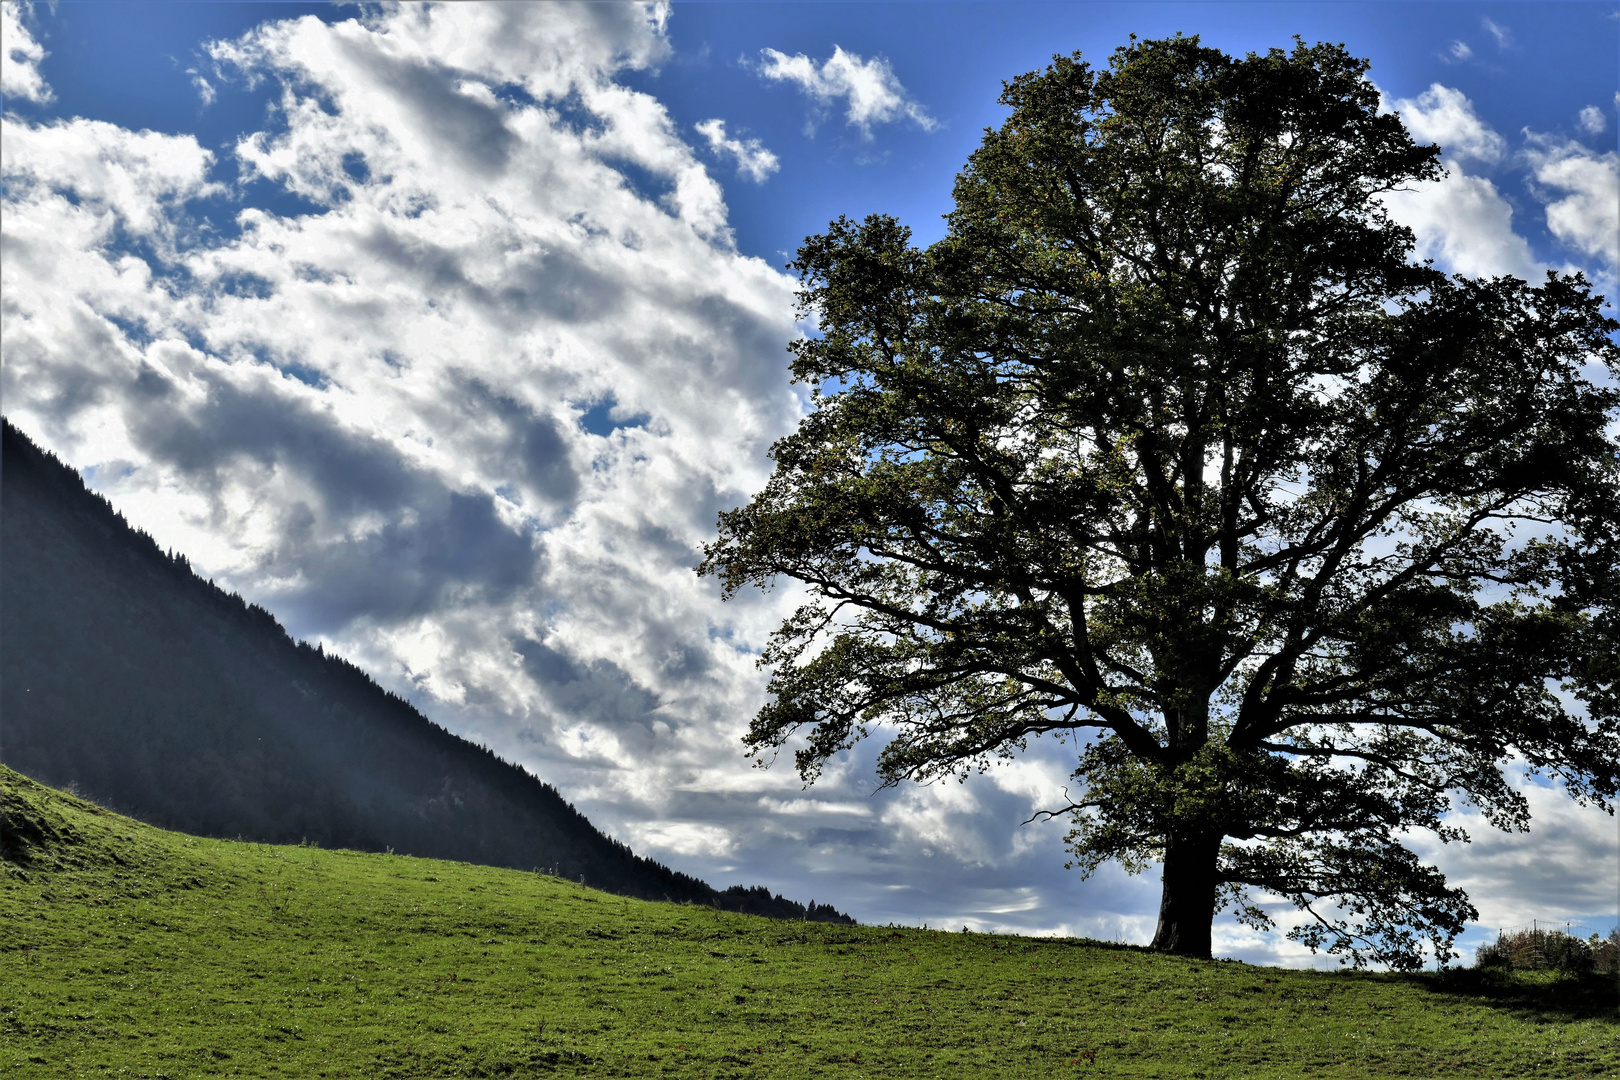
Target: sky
445, 333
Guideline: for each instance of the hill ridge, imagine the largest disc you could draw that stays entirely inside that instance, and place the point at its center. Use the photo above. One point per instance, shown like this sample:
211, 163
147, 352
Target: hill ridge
126, 949
205, 716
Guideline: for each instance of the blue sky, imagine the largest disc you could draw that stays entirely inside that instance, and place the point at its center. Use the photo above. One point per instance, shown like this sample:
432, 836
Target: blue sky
135, 64
444, 333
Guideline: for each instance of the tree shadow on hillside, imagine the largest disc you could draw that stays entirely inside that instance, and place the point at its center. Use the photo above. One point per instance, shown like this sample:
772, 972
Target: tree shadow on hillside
1531, 996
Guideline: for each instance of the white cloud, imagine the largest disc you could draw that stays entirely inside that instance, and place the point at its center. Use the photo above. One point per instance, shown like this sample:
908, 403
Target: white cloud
942, 819
372, 417
814, 806
871, 92
1460, 51
1443, 115
1592, 121
753, 160
1513, 879
133, 179
1581, 189
205, 89
20, 54
1501, 34
686, 838
1465, 225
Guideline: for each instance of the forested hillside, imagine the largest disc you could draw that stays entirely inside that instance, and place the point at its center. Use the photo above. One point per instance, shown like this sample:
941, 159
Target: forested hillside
125, 676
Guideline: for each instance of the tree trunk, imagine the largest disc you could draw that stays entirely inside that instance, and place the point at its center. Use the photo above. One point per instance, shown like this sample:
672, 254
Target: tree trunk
1187, 909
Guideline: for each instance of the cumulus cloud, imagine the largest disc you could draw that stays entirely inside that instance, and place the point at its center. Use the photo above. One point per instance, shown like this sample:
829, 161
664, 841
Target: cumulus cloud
1581, 190
1463, 222
1592, 121
1443, 115
373, 416
20, 54
1512, 882
133, 180
1465, 225
869, 89
753, 160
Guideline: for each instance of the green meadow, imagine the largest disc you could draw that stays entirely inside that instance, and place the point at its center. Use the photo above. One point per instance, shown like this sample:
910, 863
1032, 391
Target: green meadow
127, 951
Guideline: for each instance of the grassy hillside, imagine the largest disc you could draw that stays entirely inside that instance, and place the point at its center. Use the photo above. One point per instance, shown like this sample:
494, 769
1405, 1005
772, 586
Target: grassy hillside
129, 951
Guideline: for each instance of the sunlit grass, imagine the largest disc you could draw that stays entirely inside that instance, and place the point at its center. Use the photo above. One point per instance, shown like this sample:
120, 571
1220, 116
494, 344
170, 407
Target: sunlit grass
128, 951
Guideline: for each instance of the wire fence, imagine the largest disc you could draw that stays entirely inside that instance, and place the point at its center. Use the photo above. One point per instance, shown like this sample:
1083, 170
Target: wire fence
1559, 926
1549, 945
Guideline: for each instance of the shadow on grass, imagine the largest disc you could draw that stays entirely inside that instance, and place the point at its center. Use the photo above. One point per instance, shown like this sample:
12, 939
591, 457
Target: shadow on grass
1531, 995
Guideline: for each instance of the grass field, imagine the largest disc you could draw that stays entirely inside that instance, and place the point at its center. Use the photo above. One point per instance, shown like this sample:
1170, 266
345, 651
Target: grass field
132, 952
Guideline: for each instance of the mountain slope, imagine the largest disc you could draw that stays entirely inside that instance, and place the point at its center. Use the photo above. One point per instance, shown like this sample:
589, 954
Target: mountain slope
125, 676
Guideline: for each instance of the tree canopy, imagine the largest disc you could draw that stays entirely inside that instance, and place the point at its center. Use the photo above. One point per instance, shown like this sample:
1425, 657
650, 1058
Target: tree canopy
1170, 449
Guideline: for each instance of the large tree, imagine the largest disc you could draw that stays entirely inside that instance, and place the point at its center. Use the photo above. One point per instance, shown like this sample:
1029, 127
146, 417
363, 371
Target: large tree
1170, 449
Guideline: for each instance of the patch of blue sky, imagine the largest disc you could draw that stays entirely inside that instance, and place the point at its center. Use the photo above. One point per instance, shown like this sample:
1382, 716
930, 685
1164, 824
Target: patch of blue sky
605, 417
289, 367
643, 182
144, 66
952, 58
305, 374
138, 64
100, 477
356, 168
570, 110
515, 95
135, 331
156, 253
